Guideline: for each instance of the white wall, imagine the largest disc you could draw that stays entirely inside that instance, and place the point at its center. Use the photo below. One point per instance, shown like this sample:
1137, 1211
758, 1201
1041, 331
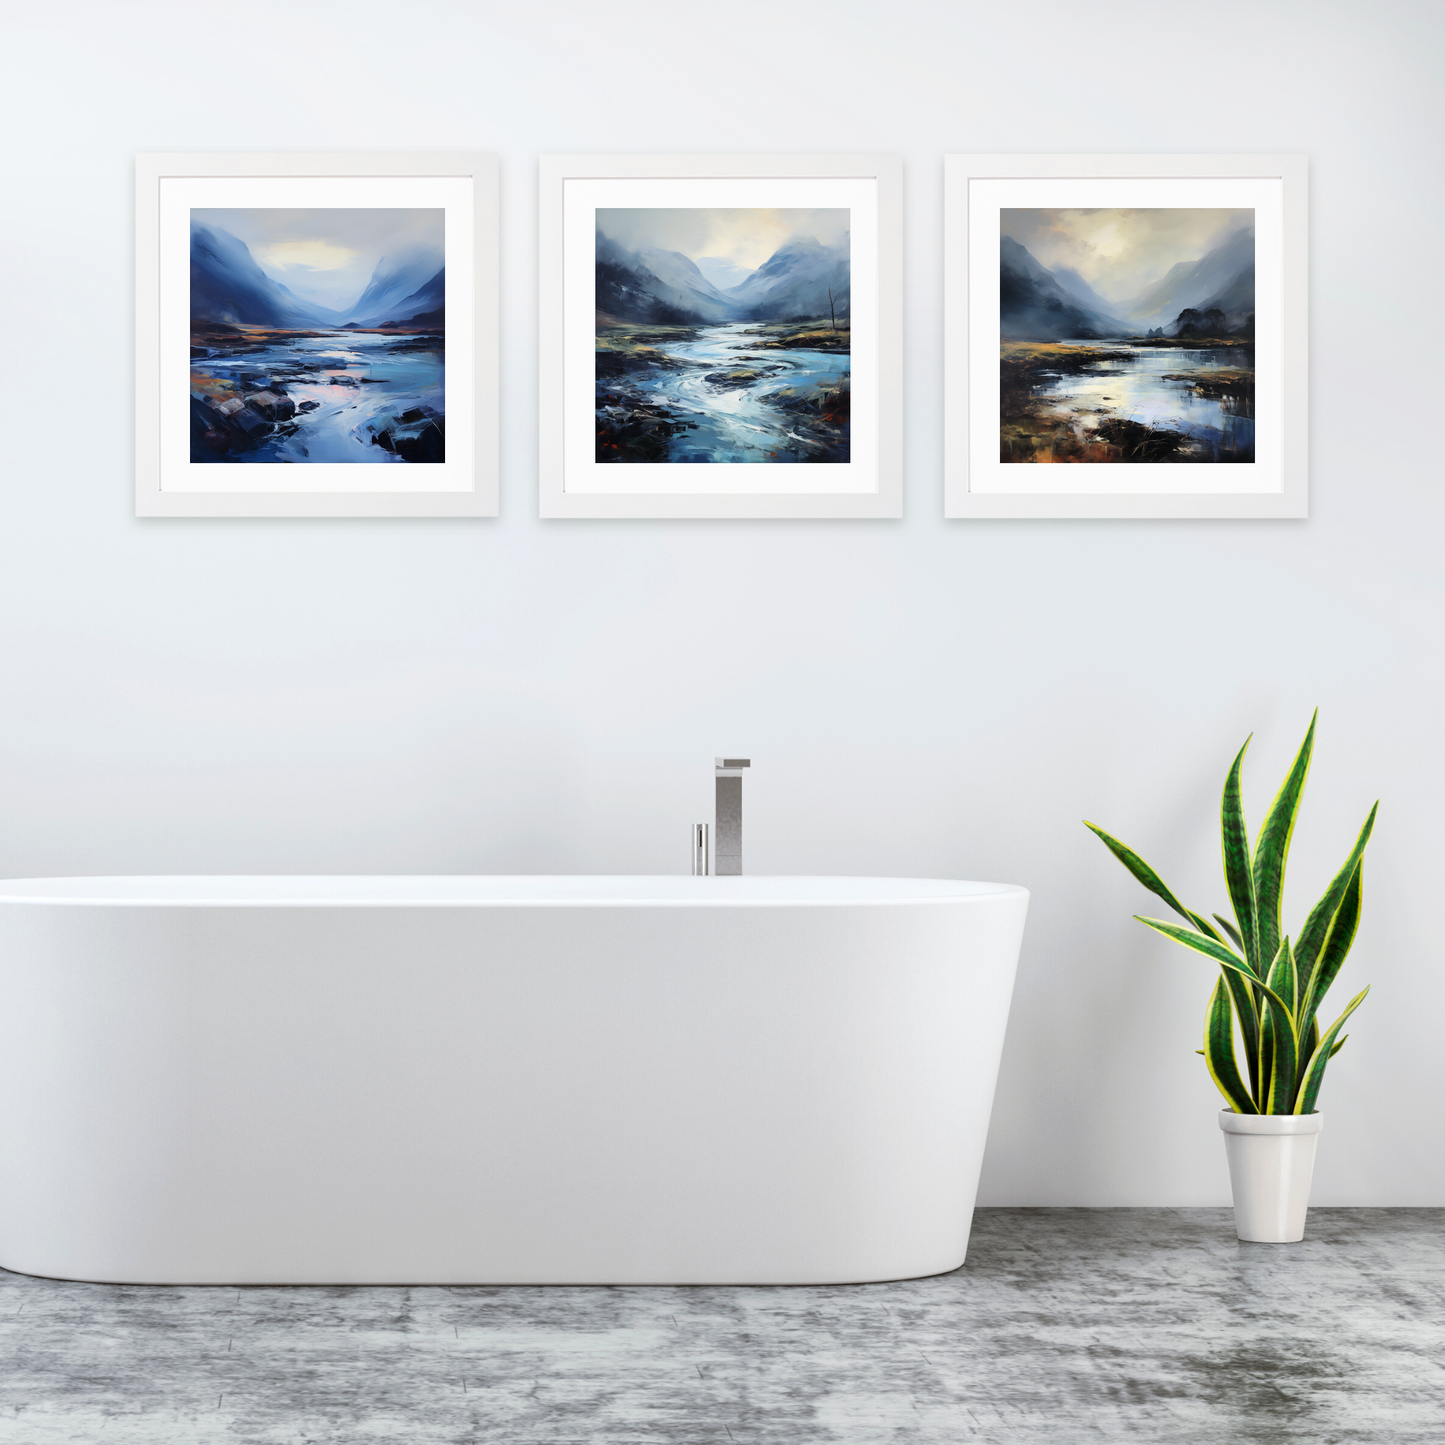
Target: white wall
919, 697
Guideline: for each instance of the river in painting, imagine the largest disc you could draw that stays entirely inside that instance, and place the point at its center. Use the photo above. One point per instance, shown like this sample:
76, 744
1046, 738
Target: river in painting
324, 396
723, 335
732, 393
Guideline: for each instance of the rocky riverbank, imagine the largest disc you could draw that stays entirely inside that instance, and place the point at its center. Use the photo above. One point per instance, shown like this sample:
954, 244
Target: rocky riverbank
1235, 384
235, 410
623, 348
634, 426
808, 336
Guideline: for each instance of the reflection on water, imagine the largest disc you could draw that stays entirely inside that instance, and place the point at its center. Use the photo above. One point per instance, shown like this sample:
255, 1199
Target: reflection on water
1208, 395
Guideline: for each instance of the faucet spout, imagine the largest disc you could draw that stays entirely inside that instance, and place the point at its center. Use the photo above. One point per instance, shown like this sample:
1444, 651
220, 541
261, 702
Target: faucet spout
728, 820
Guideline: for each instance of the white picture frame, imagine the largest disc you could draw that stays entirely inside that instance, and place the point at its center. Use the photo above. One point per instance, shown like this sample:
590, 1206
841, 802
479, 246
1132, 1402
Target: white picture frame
979, 483
573, 484
463, 480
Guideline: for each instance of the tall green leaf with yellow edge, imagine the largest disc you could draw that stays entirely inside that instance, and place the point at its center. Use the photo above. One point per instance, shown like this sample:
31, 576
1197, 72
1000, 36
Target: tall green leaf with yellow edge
1271, 851
1269, 990
1238, 869
1219, 1051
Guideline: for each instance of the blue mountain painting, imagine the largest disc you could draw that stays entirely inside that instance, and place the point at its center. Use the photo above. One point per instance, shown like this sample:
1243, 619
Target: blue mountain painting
318, 336
723, 336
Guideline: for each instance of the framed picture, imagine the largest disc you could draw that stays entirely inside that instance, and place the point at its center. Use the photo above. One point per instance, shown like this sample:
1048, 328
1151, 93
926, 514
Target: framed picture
720, 336
1126, 336
316, 336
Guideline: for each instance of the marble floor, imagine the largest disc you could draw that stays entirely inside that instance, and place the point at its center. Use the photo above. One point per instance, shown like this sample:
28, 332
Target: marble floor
1065, 1325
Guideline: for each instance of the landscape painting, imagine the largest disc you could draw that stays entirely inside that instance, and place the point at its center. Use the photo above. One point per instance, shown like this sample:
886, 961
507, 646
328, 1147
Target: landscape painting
722, 335
1127, 335
318, 336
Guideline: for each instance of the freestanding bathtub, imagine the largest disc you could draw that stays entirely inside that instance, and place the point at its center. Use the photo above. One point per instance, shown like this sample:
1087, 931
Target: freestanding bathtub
465, 1080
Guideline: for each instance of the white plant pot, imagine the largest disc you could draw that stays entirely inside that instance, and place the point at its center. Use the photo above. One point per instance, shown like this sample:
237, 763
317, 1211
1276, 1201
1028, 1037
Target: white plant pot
1271, 1163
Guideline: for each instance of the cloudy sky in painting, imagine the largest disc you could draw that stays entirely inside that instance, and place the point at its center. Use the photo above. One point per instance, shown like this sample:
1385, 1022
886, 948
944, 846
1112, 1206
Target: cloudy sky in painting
735, 242
1121, 253
327, 255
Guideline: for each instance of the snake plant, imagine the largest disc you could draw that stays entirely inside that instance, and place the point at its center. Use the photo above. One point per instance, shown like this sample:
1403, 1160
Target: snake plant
1269, 987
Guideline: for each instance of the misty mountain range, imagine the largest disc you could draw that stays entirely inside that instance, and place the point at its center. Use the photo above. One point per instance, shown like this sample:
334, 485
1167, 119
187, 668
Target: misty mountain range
1037, 304
659, 287
227, 285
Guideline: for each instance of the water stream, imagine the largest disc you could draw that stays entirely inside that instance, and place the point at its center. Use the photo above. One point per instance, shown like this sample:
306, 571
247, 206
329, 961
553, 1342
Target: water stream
734, 401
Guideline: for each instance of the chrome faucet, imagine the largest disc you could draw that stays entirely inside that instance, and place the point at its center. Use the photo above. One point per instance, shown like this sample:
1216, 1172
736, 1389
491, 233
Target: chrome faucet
728, 815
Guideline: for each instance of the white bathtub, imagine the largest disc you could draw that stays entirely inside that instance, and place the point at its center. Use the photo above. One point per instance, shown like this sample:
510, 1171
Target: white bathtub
497, 1080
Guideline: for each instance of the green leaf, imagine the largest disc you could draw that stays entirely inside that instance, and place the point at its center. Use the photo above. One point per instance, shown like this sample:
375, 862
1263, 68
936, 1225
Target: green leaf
1283, 976
1238, 873
1271, 851
1340, 908
1231, 930
1313, 1074
1339, 1044
1279, 1037
1322, 915
1277, 1029
1276, 1023
1205, 927
1219, 1051
1209, 947
1277, 1032
1246, 1007
1332, 955
1266, 1037
1142, 871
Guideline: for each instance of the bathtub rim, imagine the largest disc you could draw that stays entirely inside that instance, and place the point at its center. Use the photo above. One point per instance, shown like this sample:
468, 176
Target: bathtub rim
495, 890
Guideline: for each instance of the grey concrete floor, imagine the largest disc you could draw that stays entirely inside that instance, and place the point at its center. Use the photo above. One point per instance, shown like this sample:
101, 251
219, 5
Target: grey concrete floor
1065, 1325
